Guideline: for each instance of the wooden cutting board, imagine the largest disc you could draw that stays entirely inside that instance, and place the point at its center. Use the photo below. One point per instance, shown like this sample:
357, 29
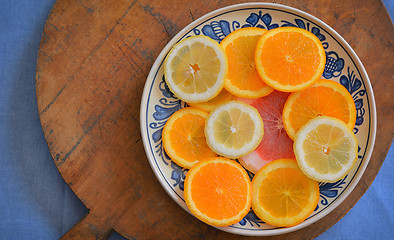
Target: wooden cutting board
92, 65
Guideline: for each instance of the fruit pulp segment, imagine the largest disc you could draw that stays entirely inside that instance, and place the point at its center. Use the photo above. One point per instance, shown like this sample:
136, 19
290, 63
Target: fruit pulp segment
284, 192
327, 149
188, 139
233, 128
220, 189
242, 70
276, 143
290, 58
195, 68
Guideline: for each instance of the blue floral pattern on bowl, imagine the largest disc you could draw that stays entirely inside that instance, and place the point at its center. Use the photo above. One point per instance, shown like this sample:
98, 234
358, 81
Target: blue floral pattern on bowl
161, 103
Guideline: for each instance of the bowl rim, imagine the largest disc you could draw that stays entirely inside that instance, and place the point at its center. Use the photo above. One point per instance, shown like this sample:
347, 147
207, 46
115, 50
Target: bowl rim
346, 47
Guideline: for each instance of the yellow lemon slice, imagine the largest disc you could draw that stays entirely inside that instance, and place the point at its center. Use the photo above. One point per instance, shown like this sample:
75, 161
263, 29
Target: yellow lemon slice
195, 69
234, 129
325, 149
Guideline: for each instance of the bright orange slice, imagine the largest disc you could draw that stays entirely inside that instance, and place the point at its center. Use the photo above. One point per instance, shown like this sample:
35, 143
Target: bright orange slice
224, 96
289, 59
183, 137
324, 98
242, 78
282, 195
218, 191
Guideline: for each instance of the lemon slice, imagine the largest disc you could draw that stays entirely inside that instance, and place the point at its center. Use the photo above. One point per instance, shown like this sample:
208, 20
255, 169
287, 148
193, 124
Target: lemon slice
234, 129
325, 149
195, 69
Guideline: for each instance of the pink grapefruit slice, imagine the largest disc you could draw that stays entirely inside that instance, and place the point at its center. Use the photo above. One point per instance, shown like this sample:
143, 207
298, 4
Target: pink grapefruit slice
275, 144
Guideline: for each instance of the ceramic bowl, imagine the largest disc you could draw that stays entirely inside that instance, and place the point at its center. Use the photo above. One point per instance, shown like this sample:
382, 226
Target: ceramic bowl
342, 66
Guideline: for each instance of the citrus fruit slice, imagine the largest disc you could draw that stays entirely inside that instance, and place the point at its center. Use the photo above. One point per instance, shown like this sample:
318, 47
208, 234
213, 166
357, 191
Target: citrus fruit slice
208, 106
289, 59
324, 98
183, 137
275, 144
325, 149
242, 78
234, 129
195, 69
282, 195
218, 191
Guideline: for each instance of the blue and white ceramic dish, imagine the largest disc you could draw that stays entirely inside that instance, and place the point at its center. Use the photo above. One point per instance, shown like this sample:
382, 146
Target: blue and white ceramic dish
342, 66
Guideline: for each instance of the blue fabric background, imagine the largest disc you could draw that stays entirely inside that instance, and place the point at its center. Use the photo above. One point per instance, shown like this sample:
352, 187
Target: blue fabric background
35, 202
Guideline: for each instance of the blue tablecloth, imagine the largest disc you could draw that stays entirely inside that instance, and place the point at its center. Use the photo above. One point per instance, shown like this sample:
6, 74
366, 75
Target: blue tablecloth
36, 203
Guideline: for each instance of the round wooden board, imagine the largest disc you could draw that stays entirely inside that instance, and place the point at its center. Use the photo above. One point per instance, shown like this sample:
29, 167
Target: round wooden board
92, 65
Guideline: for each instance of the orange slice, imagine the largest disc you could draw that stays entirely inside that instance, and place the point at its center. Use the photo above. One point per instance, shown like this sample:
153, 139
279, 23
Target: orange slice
324, 98
242, 78
224, 96
289, 59
183, 137
282, 195
218, 191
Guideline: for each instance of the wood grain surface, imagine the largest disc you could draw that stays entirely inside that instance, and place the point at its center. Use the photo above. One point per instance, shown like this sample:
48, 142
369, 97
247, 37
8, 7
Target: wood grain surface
93, 61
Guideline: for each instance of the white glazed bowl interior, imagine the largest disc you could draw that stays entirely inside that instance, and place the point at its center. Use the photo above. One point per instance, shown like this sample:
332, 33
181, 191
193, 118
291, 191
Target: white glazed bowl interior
342, 66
